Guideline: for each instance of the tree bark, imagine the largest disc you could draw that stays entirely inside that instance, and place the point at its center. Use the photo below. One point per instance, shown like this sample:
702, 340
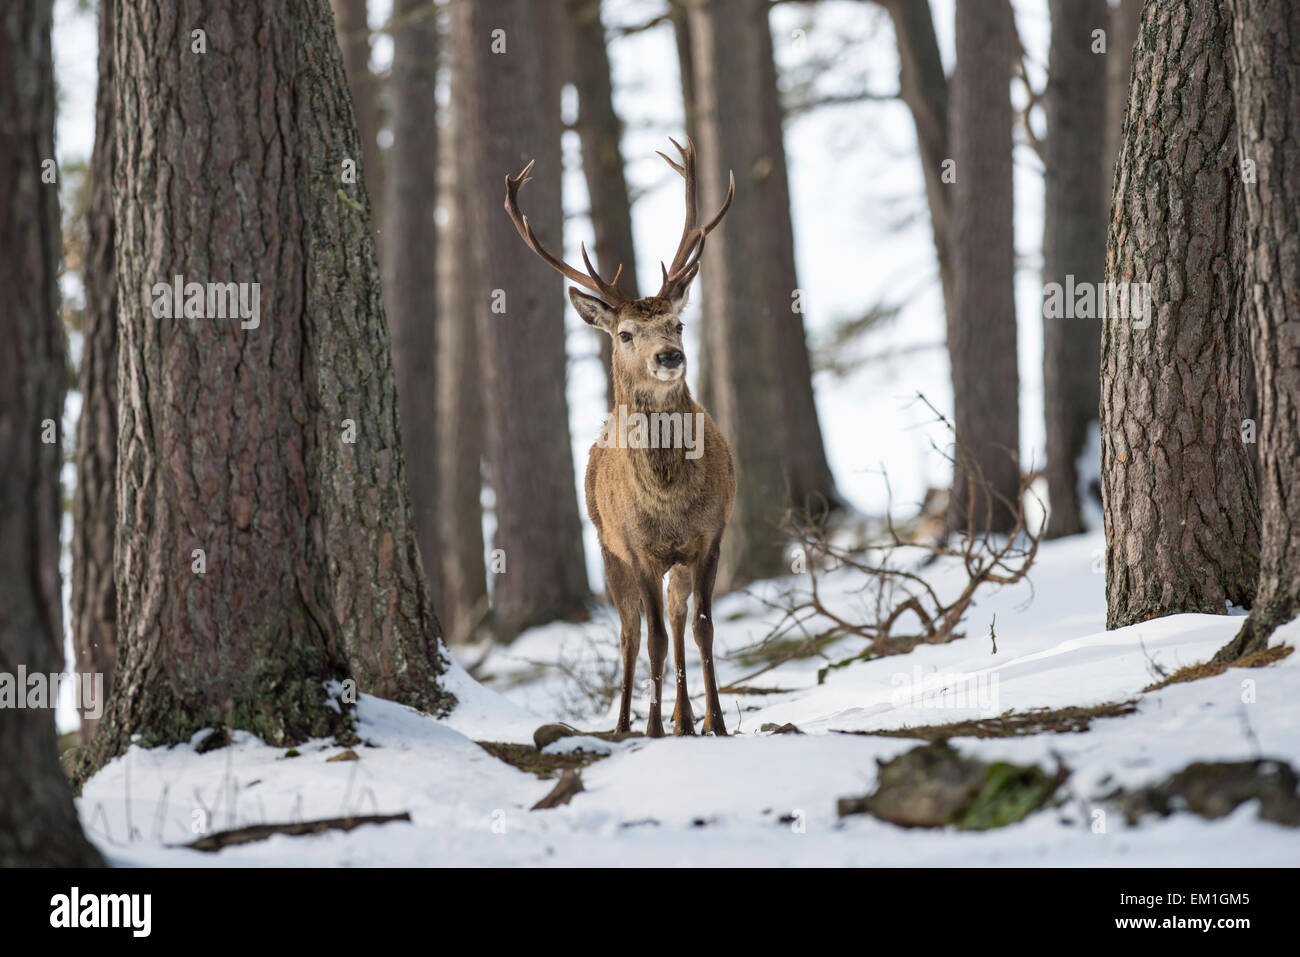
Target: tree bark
511, 118
410, 286
1178, 494
93, 601
809, 484
923, 87
1266, 44
601, 133
353, 31
982, 333
727, 56
1125, 18
38, 821
1074, 245
460, 399
275, 449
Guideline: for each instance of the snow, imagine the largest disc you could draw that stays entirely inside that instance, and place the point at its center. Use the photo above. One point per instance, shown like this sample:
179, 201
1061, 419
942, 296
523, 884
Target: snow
753, 798
861, 237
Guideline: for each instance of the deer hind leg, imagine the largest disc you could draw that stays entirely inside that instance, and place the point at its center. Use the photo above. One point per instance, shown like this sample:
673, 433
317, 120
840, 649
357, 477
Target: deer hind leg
652, 600
623, 592
679, 591
706, 573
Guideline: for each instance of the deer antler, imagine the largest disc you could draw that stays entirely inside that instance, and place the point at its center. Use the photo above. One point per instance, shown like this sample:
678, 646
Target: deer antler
686, 261
592, 281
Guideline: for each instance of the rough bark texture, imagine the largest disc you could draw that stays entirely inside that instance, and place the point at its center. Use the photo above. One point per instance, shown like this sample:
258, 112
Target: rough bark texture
982, 330
93, 601
1178, 494
353, 30
1267, 87
274, 449
510, 118
923, 86
410, 264
601, 132
1125, 18
460, 400
38, 822
727, 56
1074, 245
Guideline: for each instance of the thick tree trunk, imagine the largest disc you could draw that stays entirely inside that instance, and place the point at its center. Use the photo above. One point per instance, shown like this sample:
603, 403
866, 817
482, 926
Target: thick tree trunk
679, 14
460, 400
727, 56
264, 534
510, 119
1125, 18
1266, 46
809, 484
93, 600
982, 331
923, 86
1181, 516
353, 30
1074, 250
601, 132
410, 265
38, 822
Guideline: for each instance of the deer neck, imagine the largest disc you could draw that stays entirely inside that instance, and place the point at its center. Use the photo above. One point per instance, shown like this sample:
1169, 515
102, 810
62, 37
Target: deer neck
656, 465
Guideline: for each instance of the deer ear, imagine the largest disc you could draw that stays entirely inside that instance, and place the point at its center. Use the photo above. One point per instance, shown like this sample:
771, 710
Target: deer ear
681, 290
594, 312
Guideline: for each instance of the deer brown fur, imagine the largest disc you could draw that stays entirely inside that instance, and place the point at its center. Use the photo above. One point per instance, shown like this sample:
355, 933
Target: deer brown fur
657, 510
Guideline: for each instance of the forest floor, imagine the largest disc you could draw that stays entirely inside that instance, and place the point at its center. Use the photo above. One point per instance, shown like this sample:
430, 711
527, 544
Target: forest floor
1054, 733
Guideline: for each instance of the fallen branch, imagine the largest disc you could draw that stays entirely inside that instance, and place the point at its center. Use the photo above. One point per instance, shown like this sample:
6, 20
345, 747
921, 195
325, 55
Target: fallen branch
260, 832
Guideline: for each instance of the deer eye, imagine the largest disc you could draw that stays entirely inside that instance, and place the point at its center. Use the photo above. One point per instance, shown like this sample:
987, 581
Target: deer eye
625, 337
680, 327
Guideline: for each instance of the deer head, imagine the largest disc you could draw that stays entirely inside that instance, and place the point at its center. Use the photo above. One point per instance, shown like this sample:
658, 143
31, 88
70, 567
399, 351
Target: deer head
647, 332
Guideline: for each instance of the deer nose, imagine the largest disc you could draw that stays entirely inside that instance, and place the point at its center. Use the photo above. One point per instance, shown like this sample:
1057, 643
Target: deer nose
671, 358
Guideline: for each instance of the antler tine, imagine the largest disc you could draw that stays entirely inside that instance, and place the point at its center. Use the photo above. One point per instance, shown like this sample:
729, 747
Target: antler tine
592, 281
686, 260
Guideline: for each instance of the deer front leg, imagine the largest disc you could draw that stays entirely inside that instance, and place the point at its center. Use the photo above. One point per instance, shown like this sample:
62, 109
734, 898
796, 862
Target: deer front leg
679, 591
652, 601
706, 573
623, 592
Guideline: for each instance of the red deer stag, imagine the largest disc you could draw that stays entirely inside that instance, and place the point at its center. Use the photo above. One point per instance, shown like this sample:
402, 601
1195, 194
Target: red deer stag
659, 497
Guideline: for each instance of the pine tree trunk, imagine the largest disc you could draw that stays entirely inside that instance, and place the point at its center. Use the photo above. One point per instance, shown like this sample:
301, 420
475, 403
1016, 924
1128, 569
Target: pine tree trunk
923, 86
352, 27
38, 821
727, 56
1074, 245
809, 484
1178, 494
679, 14
982, 333
274, 449
510, 118
93, 601
460, 399
410, 266
1266, 50
1125, 18
601, 132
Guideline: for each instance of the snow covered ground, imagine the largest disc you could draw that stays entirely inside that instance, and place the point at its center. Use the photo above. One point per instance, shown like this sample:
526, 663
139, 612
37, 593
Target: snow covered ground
754, 798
